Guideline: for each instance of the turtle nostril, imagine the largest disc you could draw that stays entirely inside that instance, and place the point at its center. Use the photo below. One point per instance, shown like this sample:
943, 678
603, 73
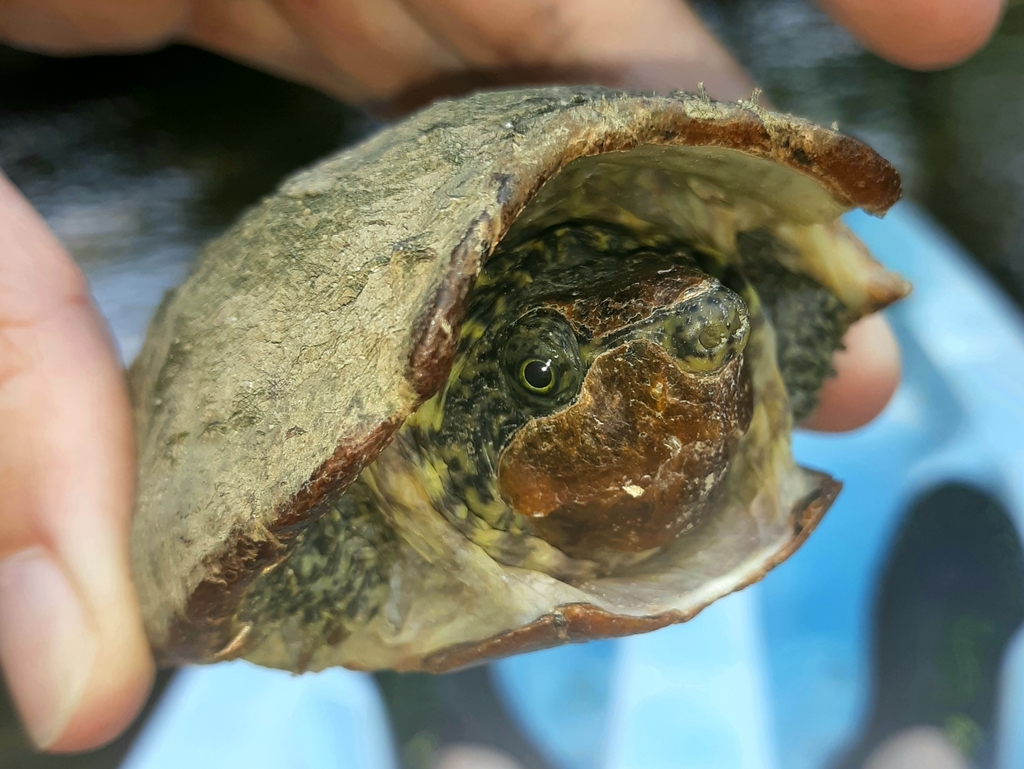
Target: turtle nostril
712, 335
708, 330
735, 320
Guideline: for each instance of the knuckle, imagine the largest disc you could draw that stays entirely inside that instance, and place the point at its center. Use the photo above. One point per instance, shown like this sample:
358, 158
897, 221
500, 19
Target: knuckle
15, 360
23, 330
543, 34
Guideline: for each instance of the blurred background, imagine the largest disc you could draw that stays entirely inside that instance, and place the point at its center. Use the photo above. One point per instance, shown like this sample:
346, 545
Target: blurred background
135, 161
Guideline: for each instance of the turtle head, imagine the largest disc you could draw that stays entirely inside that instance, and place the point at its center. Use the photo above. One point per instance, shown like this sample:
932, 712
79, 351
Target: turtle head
597, 403
633, 421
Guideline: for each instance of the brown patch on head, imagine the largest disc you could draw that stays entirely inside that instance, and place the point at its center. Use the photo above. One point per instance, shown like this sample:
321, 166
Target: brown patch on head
636, 460
603, 312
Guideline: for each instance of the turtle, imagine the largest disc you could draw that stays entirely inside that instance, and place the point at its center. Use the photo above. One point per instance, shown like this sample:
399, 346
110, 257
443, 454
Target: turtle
518, 370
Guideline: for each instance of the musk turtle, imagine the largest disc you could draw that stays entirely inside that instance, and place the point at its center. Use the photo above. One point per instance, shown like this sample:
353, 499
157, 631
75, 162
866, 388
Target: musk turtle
518, 370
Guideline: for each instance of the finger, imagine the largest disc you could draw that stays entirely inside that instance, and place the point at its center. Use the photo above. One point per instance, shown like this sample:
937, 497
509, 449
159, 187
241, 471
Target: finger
71, 641
920, 34
75, 27
374, 52
378, 44
867, 374
255, 33
358, 51
650, 44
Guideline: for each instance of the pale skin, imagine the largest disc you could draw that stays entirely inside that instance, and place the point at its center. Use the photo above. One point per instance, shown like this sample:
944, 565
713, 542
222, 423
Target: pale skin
72, 645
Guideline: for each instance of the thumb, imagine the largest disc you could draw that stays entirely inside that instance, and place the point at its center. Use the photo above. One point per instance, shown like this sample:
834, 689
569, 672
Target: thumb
72, 645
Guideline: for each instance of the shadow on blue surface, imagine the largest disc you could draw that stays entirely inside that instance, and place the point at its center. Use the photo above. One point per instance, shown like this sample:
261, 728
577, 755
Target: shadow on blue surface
950, 599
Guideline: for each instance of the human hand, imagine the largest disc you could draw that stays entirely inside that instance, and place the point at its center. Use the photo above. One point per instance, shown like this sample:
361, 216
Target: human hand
71, 641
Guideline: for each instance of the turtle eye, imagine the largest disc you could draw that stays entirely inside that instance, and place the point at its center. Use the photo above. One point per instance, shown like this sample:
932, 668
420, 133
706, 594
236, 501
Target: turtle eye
537, 375
541, 359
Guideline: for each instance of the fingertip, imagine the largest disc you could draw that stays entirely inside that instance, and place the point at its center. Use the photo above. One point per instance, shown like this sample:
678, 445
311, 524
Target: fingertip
867, 375
77, 678
90, 536
919, 34
119, 684
72, 643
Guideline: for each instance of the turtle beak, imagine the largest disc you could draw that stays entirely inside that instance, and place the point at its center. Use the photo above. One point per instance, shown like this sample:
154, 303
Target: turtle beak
636, 460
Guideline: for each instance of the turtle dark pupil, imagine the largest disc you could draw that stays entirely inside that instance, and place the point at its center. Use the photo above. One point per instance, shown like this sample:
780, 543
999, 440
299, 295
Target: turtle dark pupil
538, 374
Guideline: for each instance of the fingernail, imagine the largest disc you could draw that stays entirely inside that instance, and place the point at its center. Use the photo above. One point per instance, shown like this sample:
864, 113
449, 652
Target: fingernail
47, 646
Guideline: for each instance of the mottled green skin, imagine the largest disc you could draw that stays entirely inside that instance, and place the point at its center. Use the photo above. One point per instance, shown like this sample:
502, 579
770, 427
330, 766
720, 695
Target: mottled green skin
336, 574
350, 538
808, 319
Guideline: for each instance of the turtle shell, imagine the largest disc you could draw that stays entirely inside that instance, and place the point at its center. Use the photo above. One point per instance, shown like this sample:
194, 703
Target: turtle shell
311, 331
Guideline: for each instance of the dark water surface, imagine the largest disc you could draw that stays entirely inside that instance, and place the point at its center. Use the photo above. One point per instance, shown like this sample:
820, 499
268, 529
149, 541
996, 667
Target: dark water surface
135, 161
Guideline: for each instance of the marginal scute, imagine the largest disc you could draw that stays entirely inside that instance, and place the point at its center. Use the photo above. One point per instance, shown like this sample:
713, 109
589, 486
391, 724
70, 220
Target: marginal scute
311, 331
